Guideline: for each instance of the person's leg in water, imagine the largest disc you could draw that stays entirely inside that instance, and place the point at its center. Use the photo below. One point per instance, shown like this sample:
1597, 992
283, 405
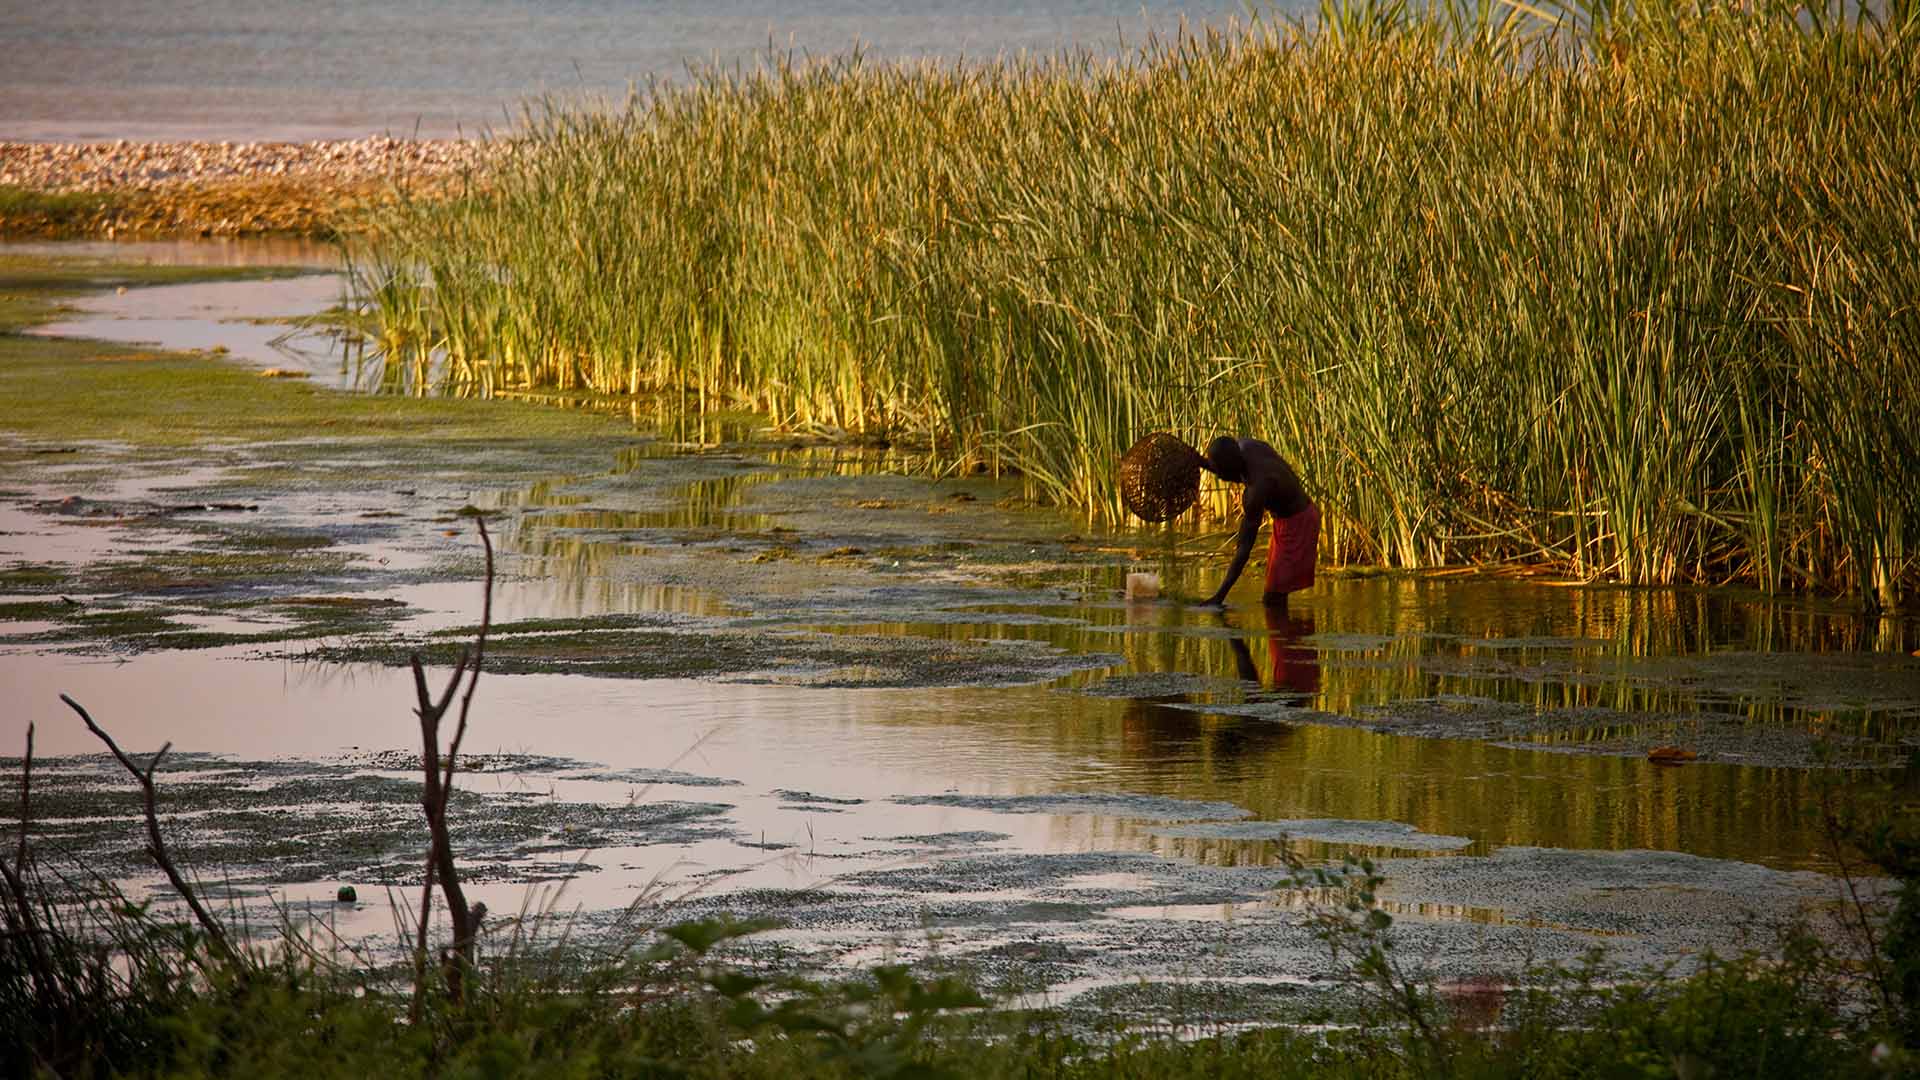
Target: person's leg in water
1291, 552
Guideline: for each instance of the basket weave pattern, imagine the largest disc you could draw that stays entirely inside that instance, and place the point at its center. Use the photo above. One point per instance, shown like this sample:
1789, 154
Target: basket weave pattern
1159, 476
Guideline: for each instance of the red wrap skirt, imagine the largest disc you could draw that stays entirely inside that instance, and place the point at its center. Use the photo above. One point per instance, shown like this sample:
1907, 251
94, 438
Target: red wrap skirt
1291, 552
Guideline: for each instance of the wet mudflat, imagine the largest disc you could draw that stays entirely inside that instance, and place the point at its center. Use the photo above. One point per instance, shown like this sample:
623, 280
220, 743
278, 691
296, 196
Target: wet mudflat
732, 671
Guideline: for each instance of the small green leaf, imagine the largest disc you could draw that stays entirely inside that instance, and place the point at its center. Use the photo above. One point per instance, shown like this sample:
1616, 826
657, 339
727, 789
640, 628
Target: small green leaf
704, 934
733, 983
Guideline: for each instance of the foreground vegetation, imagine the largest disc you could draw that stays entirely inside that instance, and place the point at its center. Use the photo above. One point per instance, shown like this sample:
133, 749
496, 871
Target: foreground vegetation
109, 986
681, 1013
1632, 297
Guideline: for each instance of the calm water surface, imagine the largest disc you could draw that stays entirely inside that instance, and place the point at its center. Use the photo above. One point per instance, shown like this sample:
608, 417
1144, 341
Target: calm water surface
227, 69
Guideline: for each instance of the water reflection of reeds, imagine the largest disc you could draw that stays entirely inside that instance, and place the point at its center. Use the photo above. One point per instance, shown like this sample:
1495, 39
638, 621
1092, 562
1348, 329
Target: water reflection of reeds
1591, 664
1495, 795
1632, 662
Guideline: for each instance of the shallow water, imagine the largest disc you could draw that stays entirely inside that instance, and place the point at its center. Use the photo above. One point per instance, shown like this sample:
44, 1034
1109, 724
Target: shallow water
240, 318
1120, 772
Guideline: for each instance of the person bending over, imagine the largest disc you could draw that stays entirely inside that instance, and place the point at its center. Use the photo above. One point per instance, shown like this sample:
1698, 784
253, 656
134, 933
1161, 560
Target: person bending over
1272, 488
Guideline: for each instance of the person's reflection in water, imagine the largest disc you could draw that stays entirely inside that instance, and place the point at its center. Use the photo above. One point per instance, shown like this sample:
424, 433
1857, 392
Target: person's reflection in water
1165, 733
1291, 666
1243, 662
1158, 730
1296, 666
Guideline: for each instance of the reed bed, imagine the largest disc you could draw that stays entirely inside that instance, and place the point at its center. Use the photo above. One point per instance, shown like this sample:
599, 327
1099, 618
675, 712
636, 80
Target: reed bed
1630, 293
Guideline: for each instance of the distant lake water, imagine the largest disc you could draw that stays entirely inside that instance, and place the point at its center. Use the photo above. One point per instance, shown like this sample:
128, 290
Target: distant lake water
257, 69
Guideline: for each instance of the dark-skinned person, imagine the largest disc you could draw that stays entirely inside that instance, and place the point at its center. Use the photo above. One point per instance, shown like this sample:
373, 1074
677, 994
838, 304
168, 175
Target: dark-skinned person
1160, 478
1270, 488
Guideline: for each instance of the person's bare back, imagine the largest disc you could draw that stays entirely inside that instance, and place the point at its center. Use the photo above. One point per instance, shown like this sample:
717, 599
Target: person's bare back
1272, 488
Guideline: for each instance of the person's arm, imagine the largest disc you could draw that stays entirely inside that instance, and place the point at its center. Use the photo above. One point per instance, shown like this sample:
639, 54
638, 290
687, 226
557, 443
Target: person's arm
1249, 533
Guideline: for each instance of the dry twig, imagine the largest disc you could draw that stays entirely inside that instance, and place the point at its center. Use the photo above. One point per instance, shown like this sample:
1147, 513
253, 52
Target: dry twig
156, 845
438, 790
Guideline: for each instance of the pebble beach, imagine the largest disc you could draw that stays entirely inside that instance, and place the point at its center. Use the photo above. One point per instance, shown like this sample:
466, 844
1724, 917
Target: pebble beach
125, 187
140, 166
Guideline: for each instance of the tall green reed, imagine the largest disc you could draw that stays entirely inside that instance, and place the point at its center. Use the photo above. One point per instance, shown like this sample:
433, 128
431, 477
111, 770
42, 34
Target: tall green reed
1621, 288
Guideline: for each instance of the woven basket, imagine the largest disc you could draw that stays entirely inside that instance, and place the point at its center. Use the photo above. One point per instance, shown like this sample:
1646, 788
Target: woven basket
1159, 476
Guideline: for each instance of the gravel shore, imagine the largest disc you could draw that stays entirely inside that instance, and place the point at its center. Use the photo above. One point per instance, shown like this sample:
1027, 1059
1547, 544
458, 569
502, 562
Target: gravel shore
219, 187
136, 166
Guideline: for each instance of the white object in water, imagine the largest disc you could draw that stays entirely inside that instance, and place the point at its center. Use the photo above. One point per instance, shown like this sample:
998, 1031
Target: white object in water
1143, 586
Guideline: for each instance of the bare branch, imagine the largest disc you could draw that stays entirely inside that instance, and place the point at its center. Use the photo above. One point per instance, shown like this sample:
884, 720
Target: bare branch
479, 651
433, 801
156, 845
437, 783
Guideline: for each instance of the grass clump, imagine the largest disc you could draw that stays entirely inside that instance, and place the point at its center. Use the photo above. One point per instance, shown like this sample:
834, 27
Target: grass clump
33, 212
247, 207
1632, 297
